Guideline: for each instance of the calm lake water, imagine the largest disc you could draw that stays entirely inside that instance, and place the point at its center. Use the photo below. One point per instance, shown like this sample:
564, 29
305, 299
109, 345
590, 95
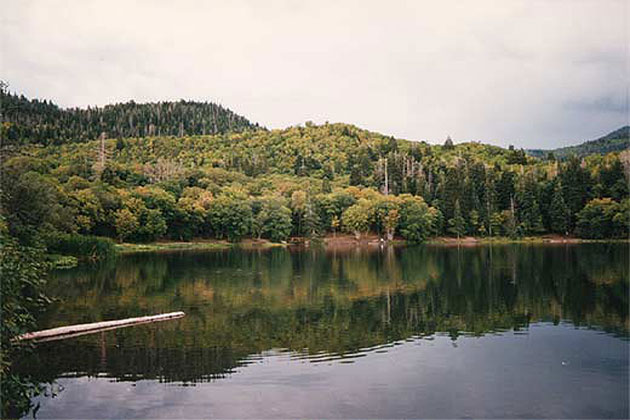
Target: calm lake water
502, 331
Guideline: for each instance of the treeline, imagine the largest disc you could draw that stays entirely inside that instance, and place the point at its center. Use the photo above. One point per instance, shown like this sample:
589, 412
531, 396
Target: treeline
26, 121
309, 181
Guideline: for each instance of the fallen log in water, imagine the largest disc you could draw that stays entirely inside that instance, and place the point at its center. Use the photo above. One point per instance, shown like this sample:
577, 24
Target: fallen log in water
61, 333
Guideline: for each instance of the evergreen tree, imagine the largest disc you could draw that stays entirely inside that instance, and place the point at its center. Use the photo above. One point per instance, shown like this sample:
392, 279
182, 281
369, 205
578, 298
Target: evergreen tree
528, 208
457, 223
505, 189
558, 212
575, 187
490, 202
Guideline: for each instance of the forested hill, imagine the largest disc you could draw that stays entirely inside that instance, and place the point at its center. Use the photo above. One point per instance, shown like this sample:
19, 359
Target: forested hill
306, 181
36, 121
614, 141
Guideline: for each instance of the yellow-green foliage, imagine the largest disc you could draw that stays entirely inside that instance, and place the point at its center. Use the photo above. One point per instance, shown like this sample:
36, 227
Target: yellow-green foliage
209, 186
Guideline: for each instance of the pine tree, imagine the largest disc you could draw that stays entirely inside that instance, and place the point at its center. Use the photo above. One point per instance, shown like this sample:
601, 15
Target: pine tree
558, 212
505, 189
528, 208
575, 182
457, 223
490, 204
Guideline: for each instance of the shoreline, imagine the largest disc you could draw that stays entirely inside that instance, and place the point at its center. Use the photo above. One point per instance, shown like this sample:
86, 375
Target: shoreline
348, 241
201, 244
545, 239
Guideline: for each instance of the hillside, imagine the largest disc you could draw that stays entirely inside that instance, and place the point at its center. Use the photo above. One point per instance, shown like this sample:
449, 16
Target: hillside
614, 141
35, 121
342, 153
302, 181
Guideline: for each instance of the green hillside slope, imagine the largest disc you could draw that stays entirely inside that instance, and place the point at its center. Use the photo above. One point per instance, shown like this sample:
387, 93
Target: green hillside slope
614, 141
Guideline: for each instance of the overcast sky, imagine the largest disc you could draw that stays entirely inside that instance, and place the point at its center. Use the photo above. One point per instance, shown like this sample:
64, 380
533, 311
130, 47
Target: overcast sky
531, 73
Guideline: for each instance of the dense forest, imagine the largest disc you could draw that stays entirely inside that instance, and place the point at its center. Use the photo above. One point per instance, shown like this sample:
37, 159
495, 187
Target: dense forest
615, 141
306, 181
28, 121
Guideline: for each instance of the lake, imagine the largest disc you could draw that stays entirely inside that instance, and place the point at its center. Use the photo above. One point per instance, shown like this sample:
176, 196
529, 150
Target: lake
510, 331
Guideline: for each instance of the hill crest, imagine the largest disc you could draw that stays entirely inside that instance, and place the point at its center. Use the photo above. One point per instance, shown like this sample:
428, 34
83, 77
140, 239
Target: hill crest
33, 121
614, 141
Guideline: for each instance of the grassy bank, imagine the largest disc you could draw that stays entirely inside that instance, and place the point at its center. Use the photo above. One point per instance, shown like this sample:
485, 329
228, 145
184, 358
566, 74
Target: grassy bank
62, 262
129, 248
83, 247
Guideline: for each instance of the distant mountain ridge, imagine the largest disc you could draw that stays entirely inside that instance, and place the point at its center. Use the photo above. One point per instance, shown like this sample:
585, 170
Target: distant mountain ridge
614, 141
33, 121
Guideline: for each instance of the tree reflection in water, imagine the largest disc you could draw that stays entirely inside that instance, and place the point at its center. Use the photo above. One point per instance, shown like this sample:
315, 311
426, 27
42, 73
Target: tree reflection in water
241, 303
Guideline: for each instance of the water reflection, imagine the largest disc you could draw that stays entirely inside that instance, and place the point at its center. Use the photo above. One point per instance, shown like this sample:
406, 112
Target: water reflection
319, 306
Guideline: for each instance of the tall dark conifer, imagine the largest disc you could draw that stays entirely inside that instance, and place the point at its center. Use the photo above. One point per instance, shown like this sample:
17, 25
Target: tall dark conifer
559, 214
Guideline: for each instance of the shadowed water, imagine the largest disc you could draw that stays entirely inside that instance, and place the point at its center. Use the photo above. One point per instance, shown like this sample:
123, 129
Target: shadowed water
502, 331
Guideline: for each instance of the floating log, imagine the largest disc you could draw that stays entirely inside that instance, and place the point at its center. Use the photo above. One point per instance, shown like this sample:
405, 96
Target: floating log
61, 333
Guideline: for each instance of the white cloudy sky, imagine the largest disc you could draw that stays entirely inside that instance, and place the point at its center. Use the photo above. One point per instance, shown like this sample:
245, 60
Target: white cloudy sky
529, 73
